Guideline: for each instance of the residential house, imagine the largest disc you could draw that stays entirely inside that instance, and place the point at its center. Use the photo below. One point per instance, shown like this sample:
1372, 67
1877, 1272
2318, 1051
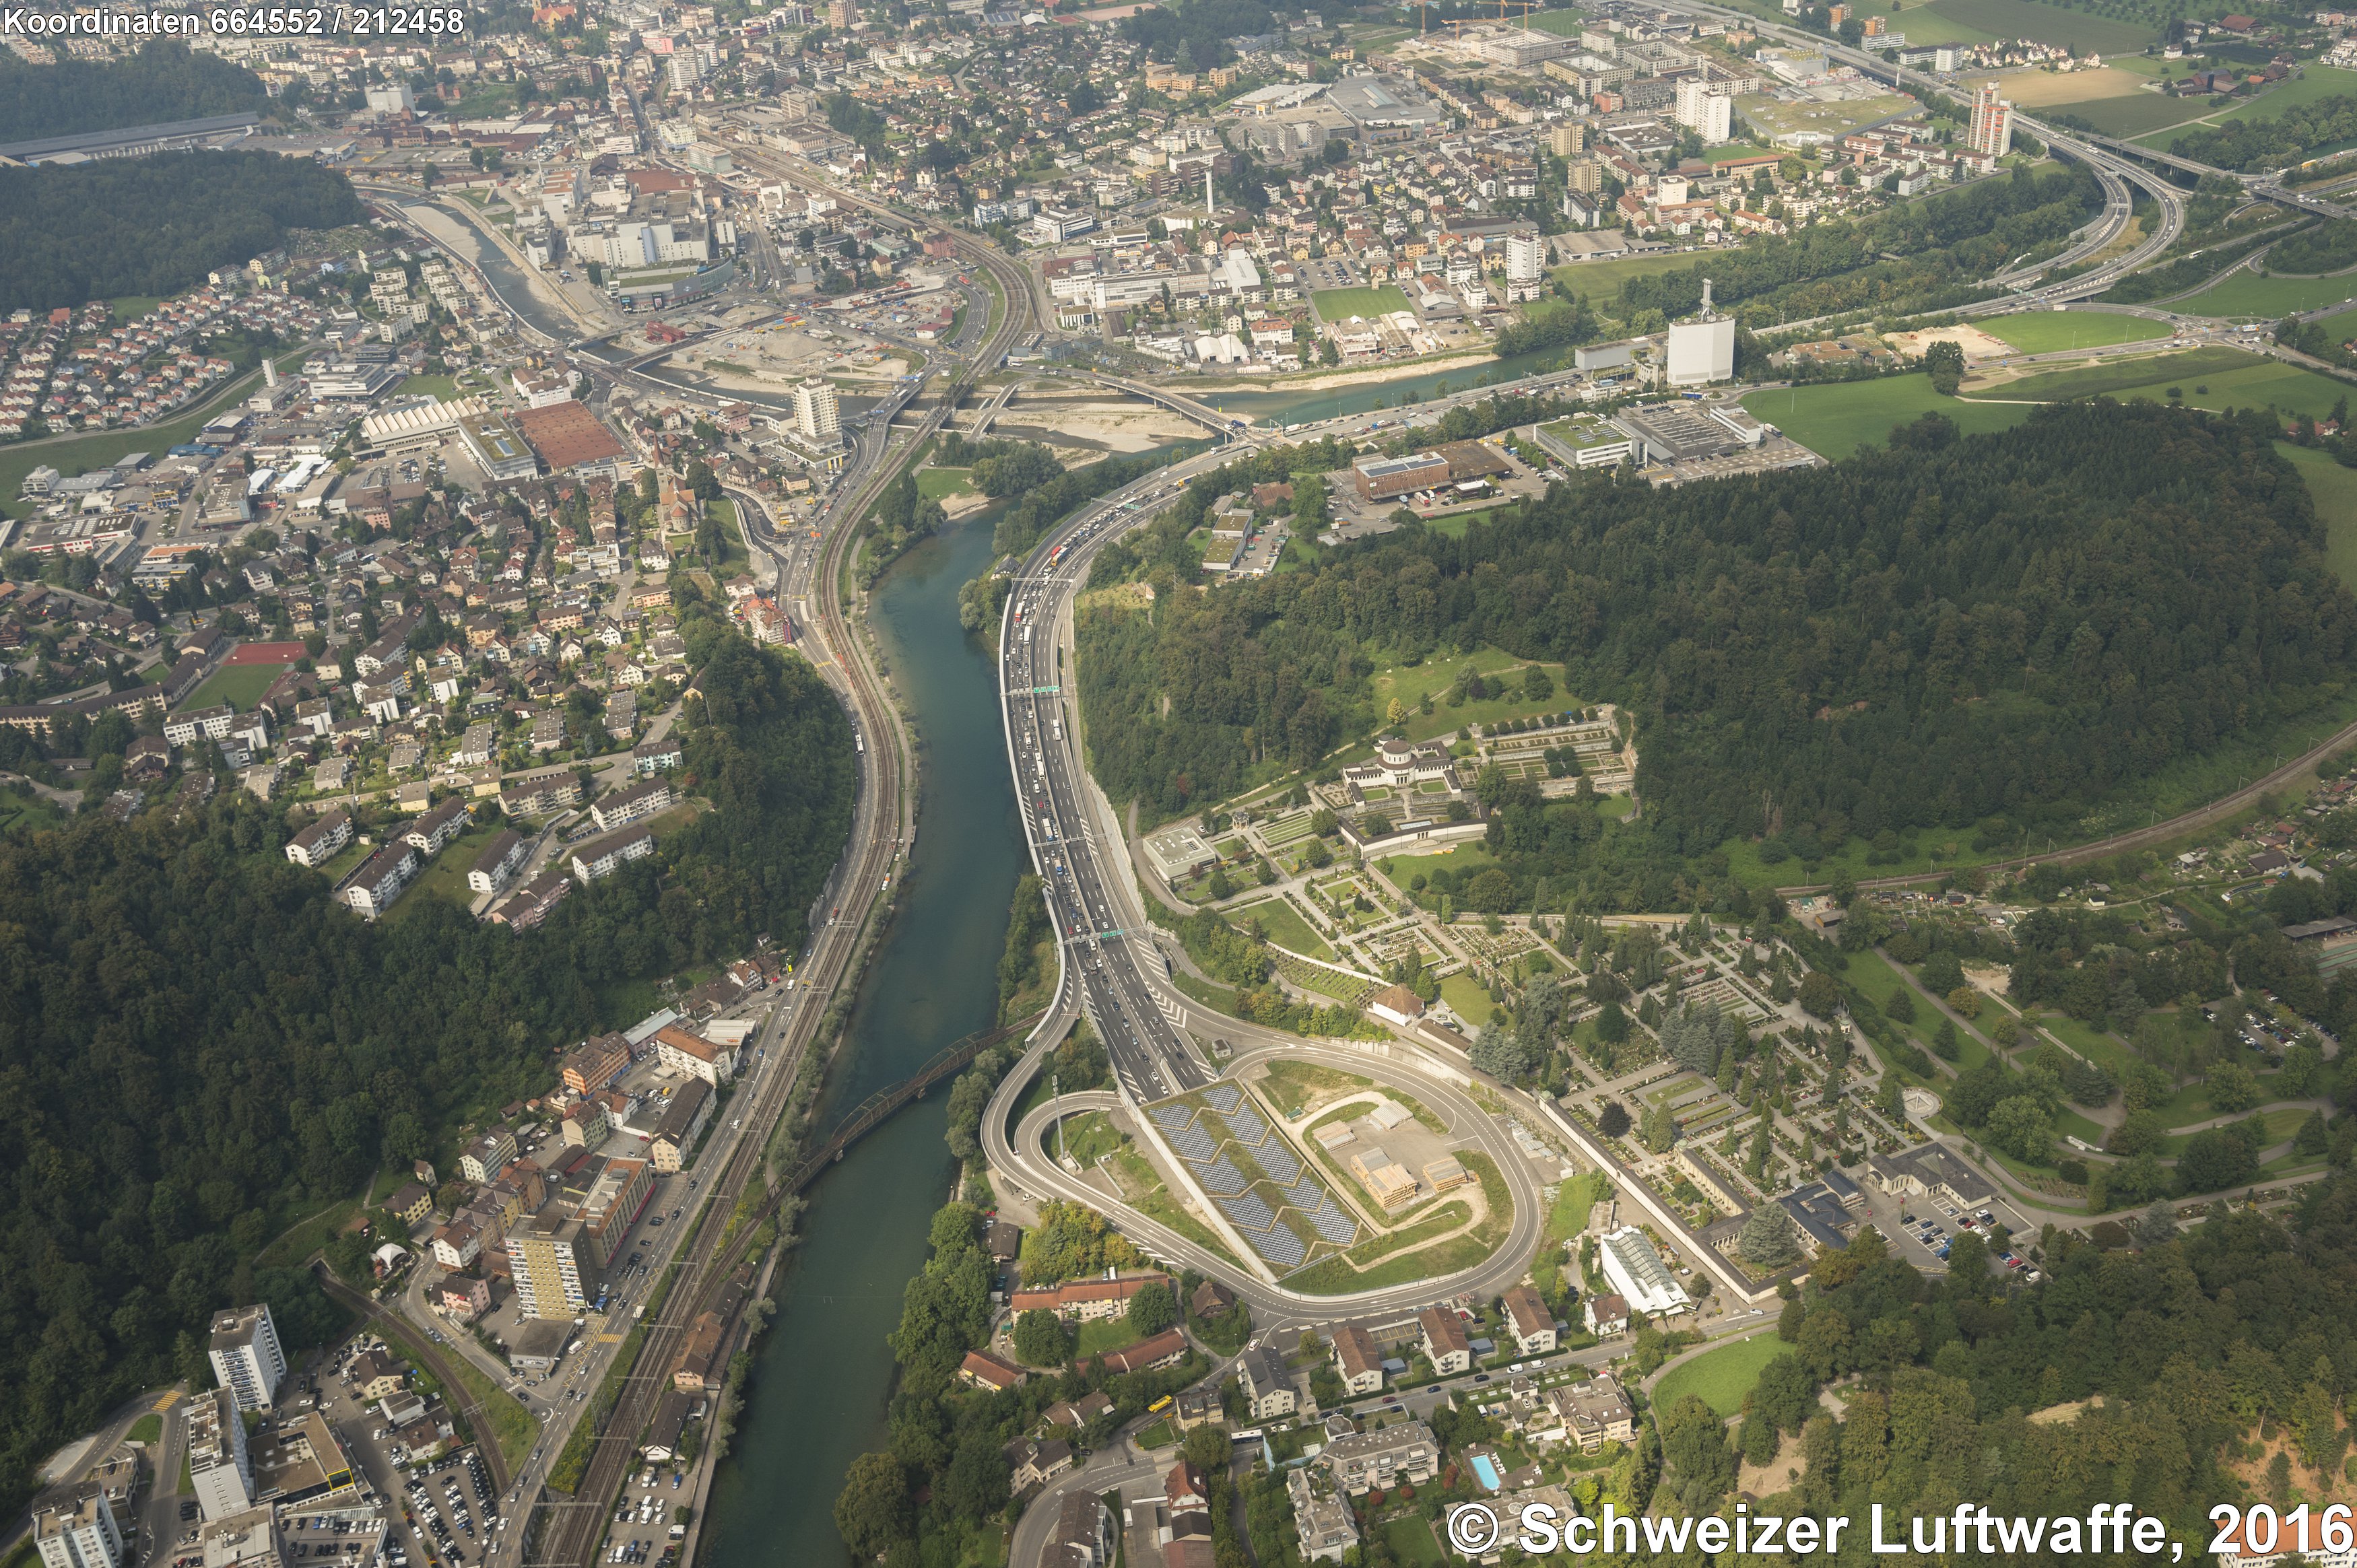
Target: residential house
1403, 1455
1357, 1359
1532, 1323
1445, 1344
321, 841
694, 1055
1267, 1387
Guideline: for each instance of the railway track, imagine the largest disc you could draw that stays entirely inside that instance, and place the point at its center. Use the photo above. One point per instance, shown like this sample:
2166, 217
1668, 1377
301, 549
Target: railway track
881, 825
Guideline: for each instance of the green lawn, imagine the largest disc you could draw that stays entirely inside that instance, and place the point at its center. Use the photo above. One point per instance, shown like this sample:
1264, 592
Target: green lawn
2044, 331
444, 389
1102, 1335
1410, 685
1568, 1216
1412, 1543
2043, 23
2214, 378
239, 685
148, 1428
22, 808
1836, 419
445, 877
1721, 1377
2245, 293
2092, 1044
936, 484
514, 1428
1285, 928
1340, 304
2334, 490
1601, 280
1462, 991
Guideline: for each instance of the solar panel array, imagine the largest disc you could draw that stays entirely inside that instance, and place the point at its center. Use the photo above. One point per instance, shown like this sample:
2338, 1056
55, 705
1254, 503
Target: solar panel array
1220, 1177
1325, 1216
1247, 1126
1282, 1247
1197, 1143
1250, 1210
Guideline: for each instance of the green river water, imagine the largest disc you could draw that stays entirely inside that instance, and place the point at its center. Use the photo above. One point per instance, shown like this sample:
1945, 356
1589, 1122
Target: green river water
817, 1400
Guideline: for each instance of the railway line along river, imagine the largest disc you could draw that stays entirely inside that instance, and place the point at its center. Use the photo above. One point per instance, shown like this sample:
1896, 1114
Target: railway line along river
817, 1398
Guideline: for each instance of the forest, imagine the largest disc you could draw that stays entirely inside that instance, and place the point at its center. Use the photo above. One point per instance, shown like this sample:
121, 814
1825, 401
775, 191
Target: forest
197, 1046
2188, 1344
166, 80
1961, 633
154, 225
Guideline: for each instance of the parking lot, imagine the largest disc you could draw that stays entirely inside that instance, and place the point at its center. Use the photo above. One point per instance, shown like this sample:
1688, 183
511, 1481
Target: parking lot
1922, 1230
645, 1527
445, 1508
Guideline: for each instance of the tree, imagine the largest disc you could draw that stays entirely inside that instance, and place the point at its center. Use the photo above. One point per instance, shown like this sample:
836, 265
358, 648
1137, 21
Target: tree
1819, 996
874, 1512
1901, 1004
2232, 1088
1767, 1239
2156, 1226
1209, 1448
1611, 1024
2020, 1126
1040, 1339
1945, 363
1152, 1308
1614, 1118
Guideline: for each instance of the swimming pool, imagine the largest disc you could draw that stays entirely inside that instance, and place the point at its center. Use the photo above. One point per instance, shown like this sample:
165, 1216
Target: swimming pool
1487, 1469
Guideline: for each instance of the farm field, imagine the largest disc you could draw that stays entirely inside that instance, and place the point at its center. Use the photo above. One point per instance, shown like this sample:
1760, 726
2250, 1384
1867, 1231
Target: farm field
2148, 118
2045, 24
2041, 90
2044, 331
2334, 490
1835, 419
1340, 304
2245, 293
2314, 82
2213, 378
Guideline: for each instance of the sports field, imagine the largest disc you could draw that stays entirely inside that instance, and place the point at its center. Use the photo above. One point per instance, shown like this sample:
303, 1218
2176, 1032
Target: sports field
1342, 304
239, 685
2044, 331
1834, 421
1721, 1377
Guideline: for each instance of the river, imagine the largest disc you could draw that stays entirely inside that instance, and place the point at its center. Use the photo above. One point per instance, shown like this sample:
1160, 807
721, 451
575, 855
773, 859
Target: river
818, 1395
1279, 407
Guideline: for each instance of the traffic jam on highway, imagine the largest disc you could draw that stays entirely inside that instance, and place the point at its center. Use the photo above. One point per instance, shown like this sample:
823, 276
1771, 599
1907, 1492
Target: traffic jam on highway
1153, 1060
